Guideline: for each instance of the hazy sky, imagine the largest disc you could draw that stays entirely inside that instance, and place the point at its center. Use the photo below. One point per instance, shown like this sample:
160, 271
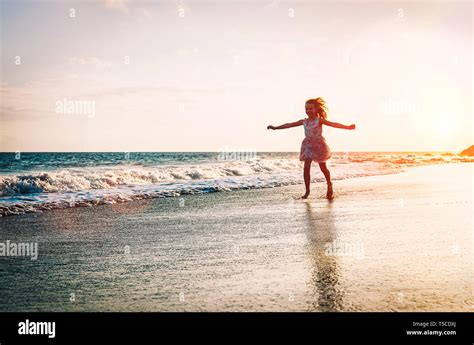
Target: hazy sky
211, 75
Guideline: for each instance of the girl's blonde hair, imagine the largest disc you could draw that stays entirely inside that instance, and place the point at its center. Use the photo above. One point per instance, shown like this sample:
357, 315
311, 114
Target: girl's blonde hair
320, 106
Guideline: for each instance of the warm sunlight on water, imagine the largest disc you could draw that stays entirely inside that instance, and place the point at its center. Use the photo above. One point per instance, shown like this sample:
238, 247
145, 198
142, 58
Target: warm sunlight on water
395, 242
32, 182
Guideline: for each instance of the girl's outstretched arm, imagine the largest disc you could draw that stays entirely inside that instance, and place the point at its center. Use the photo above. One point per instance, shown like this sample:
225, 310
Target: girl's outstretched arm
287, 125
336, 125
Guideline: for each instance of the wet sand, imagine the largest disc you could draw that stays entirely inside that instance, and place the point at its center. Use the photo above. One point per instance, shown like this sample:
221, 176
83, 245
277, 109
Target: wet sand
401, 242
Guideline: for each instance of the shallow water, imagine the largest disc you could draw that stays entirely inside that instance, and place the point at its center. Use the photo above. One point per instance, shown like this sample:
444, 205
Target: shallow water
35, 182
386, 243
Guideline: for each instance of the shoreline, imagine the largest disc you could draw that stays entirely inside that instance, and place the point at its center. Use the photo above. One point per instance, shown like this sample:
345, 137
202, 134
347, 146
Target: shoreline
21, 204
398, 242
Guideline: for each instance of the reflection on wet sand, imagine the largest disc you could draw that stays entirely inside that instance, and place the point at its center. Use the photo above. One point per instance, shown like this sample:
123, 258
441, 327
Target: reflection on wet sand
327, 294
254, 250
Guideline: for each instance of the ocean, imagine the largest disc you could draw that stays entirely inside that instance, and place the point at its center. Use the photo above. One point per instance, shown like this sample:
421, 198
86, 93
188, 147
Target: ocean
34, 182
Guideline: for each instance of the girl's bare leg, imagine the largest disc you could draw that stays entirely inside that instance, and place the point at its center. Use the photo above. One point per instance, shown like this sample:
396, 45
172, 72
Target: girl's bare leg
327, 175
307, 177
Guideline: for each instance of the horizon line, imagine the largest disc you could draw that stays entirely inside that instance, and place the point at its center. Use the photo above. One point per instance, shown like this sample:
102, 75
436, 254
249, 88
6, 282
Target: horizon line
122, 151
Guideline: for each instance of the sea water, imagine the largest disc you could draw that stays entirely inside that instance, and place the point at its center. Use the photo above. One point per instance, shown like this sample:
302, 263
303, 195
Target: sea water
33, 182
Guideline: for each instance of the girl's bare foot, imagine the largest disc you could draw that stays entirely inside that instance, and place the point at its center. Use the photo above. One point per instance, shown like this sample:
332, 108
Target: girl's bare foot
329, 194
305, 196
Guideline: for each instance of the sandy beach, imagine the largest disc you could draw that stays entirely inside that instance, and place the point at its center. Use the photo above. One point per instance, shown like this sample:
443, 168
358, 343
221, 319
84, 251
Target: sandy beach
399, 242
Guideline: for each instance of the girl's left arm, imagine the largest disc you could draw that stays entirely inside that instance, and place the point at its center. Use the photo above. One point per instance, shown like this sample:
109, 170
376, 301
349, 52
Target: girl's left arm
336, 125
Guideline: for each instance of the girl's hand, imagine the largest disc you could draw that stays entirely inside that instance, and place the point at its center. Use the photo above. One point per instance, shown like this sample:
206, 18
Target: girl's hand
352, 127
270, 127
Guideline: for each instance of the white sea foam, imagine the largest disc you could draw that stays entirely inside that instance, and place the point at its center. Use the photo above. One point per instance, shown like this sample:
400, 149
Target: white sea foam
71, 187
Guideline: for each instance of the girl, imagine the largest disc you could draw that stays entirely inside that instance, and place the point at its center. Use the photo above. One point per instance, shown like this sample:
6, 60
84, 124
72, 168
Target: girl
314, 147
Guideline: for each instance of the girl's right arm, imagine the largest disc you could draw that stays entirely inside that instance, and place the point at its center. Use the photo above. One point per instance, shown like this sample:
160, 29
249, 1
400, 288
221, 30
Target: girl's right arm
287, 125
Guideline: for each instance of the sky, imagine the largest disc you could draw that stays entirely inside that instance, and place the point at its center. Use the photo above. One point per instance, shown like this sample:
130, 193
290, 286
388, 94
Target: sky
116, 75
